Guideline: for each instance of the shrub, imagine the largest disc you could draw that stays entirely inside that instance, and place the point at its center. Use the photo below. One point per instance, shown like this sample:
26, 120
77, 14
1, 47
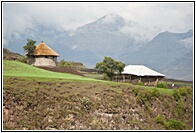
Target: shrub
86, 103
135, 91
173, 124
186, 90
189, 90
143, 96
176, 95
155, 92
182, 91
162, 85
180, 109
160, 119
24, 60
140, 83
146, 95
64, 63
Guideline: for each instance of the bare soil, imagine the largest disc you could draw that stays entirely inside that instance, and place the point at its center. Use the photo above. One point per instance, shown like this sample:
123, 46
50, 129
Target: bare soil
90, 70
35, 104
63, 70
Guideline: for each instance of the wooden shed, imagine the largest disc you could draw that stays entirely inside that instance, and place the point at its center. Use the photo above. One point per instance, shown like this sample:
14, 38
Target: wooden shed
43, 56
139, 73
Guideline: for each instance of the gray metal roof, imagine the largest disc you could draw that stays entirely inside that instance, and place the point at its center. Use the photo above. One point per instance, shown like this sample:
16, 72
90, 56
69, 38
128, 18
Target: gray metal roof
140, 70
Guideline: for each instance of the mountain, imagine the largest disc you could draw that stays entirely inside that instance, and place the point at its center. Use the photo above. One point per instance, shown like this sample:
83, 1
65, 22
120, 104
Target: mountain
103, 36
165, 53
162, 49
181, 68
16, 40
89, 44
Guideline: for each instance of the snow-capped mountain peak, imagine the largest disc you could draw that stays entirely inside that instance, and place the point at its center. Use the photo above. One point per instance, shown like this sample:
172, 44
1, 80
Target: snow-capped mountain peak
111, 19
108, 23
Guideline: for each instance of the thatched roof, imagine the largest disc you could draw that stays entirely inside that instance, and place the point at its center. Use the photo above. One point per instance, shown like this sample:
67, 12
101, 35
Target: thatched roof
43, 49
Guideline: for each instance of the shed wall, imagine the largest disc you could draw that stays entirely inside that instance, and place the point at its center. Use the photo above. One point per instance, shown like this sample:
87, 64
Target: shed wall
146, 80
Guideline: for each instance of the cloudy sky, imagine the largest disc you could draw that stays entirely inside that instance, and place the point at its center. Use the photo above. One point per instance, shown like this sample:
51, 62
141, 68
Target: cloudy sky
150, 18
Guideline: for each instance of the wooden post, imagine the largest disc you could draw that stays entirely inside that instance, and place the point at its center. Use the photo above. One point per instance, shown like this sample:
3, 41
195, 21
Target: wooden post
148, 80
157, 80
123, 78
130, 78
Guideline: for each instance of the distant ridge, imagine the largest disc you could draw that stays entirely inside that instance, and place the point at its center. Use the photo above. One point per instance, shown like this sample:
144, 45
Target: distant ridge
8, 55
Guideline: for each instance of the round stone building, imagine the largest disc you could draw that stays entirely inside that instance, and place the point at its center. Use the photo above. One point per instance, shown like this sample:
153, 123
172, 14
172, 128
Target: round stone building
43, 56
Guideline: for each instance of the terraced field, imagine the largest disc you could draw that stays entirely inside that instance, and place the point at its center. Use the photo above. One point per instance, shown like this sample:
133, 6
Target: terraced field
37, 99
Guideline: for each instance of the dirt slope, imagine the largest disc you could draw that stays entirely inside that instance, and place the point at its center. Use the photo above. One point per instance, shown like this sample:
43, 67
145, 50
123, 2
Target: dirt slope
58, 105
8, 55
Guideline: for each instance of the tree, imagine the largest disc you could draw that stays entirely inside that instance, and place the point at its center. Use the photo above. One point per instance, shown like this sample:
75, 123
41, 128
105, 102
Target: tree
64, 63
120, 67
109, 66
30, 47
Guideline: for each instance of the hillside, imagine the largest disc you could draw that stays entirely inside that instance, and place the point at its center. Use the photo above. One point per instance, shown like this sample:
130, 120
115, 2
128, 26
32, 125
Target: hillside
37, 99
13, 68
180, 65
8, 55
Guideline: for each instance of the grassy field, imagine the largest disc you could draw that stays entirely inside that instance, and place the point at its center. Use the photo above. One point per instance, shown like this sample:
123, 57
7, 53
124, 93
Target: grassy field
179, 83
14, 68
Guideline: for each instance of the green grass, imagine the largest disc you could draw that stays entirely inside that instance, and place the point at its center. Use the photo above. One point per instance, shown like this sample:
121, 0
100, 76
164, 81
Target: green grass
163, 91
14, 68
178, 83
18, 69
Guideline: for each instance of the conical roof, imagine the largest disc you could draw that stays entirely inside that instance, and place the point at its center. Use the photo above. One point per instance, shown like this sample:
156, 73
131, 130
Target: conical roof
43, 49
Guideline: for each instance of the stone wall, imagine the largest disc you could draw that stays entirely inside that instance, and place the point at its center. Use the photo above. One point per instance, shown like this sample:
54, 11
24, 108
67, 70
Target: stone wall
46, 61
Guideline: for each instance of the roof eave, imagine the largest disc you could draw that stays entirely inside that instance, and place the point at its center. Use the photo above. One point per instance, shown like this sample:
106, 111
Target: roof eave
144, 75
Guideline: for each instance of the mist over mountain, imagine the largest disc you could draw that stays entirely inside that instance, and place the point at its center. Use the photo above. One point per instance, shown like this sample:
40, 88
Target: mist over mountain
162, 49
181, 68
102, 37
169, 53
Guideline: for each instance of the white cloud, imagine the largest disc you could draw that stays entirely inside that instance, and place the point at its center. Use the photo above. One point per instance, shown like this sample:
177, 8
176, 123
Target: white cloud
188, 42
138, 32
74, 47
109, 19
14, 20
5, 42
151, 18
